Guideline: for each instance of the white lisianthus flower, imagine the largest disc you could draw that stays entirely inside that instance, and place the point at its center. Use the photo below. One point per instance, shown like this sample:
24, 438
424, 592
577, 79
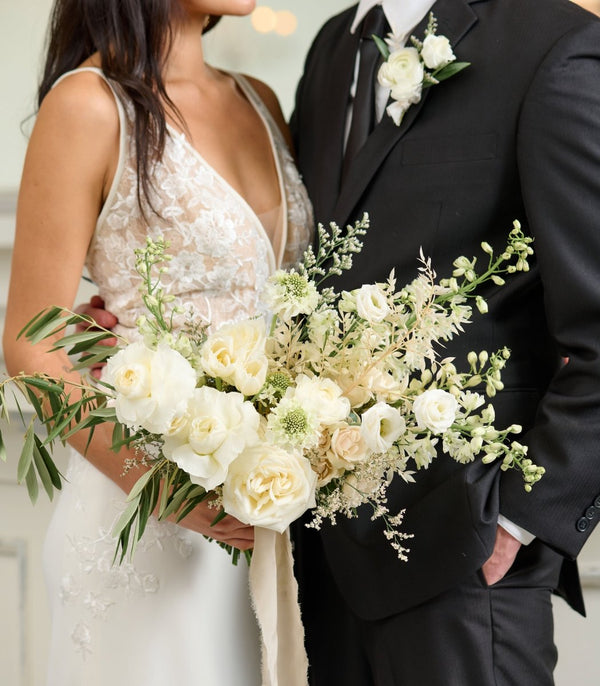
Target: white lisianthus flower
381, 425
152, 386
219, 426
269, 487
436, 410
288, 294
371, 303
403, 74
323, 396
348, 447
436, 52
236, 354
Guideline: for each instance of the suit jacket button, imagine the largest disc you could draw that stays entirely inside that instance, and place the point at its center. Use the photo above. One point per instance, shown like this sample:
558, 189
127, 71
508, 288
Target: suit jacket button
591, 512
597, 502
582, 524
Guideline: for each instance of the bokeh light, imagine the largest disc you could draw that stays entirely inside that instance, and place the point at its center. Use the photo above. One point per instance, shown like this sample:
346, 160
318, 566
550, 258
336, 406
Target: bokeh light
264, 19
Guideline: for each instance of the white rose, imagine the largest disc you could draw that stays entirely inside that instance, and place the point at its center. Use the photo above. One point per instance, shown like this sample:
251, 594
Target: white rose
381, 426
251, 374
437, 52
236, 354
403, 74
152, 386
371, 303
435, 410
323, 397
348, 447
269, 487
219, 427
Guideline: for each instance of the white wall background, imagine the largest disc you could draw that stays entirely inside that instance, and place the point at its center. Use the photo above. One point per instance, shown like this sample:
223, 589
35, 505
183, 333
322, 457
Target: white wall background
24, 623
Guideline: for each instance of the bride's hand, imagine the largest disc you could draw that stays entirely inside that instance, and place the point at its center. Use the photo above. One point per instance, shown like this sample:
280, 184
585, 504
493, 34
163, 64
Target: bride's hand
229, 530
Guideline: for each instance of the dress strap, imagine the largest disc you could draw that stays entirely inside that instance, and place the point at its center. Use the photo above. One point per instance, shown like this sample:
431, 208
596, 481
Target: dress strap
123, 131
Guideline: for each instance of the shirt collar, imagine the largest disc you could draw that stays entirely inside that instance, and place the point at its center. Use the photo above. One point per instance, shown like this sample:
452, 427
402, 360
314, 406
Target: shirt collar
402, 15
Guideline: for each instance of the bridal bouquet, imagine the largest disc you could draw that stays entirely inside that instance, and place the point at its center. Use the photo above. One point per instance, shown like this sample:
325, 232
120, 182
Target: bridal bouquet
318, 408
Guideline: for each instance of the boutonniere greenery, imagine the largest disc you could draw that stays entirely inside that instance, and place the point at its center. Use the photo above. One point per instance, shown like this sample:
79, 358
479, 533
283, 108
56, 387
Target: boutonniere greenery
408, 70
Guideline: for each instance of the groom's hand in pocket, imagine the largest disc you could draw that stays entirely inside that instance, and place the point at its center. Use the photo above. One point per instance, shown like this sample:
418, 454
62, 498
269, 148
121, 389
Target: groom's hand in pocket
505, 551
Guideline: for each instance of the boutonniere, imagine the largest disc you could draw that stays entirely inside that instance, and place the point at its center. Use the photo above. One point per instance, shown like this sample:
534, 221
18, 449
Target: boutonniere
408, 70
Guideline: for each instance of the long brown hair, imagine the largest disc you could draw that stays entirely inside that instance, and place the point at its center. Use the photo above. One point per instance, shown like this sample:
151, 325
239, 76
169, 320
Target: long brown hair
133, 39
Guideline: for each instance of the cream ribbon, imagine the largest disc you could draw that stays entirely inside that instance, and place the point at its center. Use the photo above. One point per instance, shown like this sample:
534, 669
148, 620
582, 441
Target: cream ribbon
275, 598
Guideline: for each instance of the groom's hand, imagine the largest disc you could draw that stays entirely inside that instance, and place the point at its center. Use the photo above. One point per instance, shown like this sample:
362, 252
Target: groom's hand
505, 550
103, 318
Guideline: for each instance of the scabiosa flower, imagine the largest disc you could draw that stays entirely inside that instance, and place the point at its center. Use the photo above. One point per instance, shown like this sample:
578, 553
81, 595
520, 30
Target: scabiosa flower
291, 424
288, 294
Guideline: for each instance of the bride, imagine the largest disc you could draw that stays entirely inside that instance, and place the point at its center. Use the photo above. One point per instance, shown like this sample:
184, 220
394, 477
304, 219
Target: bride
136, 135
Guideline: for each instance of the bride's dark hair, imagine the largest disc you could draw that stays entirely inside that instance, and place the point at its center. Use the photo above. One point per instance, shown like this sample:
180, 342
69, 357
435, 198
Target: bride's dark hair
133, 39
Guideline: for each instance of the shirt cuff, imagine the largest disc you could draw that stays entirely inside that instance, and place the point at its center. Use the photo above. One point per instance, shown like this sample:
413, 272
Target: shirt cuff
518, 532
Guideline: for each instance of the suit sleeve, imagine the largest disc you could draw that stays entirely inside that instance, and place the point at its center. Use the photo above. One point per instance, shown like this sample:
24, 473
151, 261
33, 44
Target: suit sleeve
558, 148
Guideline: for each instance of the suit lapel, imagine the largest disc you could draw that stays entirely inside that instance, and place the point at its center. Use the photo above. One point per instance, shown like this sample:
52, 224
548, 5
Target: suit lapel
455, 18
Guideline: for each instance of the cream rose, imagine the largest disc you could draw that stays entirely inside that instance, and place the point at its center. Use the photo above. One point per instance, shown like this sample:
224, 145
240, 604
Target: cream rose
348, 447
219, 427
381, 426
436, 52
326, 471
269, 487
435, 410
371, 303
152, 387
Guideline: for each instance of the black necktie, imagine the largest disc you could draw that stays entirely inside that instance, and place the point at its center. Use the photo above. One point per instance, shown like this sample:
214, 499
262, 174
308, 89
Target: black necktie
363, 109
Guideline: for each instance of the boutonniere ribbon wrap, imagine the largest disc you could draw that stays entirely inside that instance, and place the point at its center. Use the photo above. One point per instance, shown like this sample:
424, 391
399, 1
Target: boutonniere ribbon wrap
408, 70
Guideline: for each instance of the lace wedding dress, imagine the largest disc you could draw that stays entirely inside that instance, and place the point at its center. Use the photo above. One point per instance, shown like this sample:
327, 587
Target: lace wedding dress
179, 613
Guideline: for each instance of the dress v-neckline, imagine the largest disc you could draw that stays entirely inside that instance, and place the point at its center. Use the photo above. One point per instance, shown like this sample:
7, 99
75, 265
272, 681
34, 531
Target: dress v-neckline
249, 94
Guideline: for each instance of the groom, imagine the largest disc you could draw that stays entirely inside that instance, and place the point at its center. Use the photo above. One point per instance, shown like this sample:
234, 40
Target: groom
516, 135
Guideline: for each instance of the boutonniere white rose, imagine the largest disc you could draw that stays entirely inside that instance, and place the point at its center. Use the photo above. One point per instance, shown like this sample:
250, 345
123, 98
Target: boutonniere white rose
408, 70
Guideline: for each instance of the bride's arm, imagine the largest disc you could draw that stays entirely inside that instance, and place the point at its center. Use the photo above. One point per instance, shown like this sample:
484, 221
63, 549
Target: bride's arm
68, 170
68, 167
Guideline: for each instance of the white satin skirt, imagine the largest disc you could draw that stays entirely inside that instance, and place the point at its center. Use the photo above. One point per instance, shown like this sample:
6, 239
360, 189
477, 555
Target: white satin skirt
179, 613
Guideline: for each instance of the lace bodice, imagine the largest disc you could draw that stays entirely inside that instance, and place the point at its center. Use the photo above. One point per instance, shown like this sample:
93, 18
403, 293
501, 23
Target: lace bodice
222, 255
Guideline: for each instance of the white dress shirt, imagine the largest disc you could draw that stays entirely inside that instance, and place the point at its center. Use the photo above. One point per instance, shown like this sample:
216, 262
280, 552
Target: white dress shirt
403, 16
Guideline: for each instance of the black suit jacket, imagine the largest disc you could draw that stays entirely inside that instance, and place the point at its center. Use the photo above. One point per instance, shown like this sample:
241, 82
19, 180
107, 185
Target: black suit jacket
514, 136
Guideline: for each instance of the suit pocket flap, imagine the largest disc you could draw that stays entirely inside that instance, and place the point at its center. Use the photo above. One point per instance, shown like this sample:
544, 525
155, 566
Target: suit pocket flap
450, 149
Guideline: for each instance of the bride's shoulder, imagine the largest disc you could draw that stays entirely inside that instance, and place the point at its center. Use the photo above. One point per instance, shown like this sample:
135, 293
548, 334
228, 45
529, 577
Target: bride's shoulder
271, 102
82, 99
